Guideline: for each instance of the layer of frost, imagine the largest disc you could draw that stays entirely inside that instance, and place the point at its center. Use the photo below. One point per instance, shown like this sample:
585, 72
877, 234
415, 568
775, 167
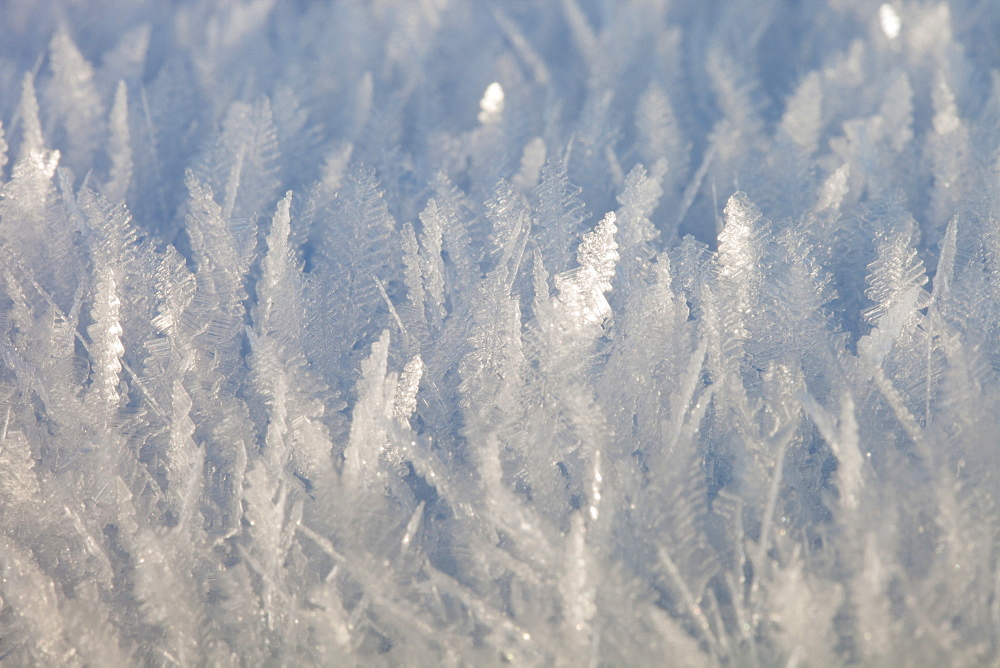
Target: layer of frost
458, 332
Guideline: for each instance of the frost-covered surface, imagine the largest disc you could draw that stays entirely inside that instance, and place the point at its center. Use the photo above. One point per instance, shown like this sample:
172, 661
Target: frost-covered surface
573, 332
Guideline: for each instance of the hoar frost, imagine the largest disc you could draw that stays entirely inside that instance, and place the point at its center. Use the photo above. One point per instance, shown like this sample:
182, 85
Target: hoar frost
465, 333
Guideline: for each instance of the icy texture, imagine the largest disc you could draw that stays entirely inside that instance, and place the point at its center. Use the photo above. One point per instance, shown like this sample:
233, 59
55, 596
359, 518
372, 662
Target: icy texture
456, 332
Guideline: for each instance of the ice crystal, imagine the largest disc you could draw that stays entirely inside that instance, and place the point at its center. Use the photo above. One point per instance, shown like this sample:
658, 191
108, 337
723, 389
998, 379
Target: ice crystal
460, 333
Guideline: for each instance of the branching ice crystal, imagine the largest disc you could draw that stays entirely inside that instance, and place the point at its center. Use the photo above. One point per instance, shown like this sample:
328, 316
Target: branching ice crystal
461, 333
581, 290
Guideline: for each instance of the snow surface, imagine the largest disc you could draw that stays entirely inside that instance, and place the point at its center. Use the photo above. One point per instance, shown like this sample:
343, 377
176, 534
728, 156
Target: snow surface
462, 332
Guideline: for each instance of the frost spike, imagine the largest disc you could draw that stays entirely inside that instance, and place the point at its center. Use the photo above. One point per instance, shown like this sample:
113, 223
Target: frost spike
369, 418
559, 216
660, 136
842, 436
803, 118
431, 262
119, 147
278, 291
31, 128
581, 290
640, 196
75, 100
414, 311
896, 279
112, 242
105, 336
405, 403
3, 152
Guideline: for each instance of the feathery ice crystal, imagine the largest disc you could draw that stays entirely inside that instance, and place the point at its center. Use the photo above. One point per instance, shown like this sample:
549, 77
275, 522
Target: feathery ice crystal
458, 332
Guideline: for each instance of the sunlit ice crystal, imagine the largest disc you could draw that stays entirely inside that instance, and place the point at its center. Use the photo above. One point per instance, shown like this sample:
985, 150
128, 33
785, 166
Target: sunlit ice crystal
459, 333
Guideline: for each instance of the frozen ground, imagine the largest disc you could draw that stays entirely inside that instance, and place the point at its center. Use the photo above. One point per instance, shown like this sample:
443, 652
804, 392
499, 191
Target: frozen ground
459, 332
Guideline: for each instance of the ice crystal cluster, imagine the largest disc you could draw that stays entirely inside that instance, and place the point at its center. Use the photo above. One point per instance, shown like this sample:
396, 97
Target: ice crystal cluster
463, 332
